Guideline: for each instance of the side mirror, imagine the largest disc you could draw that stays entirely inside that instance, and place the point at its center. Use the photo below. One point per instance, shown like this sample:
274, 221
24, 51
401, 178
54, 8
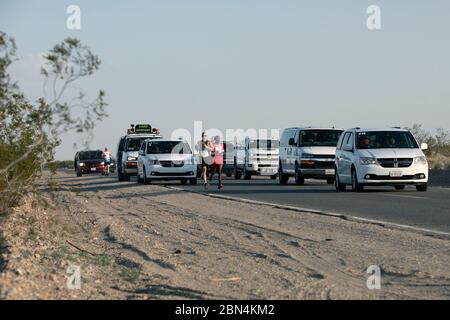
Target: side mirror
291, 141
141, 153
424, 146
348, 148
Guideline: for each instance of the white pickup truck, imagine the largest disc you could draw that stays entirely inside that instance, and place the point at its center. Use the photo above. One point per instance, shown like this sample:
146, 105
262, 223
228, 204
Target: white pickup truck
256, 157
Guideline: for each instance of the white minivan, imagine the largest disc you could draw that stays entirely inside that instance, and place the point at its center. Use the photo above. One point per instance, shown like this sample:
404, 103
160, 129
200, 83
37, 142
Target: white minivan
308, 153
161, 159
374, 157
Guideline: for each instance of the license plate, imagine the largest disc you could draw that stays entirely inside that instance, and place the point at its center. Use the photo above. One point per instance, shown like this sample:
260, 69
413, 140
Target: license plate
93, 169
395, 174
329, 172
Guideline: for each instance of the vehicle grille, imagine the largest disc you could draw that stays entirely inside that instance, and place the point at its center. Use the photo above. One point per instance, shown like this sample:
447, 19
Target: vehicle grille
131, 165
389, 178
395, 163
265, 165
172, 174
172, 164
318, 165
323, 156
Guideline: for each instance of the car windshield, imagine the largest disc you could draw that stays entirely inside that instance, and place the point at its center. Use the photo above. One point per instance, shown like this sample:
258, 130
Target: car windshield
134, 144
264, 144
91, 155
319, 138
160, 147
386, 140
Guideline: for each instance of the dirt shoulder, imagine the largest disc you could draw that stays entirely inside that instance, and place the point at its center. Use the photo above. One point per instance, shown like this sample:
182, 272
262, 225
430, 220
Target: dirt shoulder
150, 242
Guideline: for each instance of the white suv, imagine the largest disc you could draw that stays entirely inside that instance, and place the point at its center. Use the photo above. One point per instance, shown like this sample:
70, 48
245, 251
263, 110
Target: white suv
380, 157
161, 159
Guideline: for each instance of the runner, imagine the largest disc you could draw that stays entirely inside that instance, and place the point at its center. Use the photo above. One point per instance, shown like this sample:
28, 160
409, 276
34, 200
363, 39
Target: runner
217, 160
107, 158
205, 149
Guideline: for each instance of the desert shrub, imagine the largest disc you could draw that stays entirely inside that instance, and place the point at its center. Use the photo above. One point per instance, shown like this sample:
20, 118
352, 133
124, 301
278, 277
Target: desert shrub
59, 164
29, 132
438, 152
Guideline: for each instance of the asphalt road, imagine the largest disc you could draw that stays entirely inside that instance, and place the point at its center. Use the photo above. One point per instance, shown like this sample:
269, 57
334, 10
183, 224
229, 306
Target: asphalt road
429, 210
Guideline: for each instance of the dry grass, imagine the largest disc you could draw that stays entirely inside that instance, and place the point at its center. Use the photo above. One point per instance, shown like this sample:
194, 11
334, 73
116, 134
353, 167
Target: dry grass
439, 161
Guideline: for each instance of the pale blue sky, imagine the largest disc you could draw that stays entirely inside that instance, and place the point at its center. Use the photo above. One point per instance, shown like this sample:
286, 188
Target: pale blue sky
250, 63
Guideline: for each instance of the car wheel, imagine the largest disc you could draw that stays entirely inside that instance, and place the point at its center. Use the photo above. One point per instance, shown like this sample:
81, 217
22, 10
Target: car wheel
183, 181
139, 179
337, 183
126, 177
273, 177
356, 186
299, 179
399, 187
237, 173
422, 187
330, 180
283, 178
247, 176
120, 175
79, 174
193, 181
229, 174
144, 177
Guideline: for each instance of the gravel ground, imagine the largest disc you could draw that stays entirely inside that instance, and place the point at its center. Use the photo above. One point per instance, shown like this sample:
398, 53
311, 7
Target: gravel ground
149, 242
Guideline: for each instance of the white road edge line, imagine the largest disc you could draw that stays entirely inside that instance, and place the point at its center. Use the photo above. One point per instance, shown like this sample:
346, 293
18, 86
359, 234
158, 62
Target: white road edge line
392, 225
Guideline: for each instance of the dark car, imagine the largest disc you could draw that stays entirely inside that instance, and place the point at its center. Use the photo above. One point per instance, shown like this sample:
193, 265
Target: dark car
89, 161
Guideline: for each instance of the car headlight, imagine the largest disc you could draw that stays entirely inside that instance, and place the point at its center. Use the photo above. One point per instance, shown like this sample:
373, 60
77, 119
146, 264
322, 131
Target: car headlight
367, 161
102, 163
132, 158
155, 161
420, 160
81, 164
307, 156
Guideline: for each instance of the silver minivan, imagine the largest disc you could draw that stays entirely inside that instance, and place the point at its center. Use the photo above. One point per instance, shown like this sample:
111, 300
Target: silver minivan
308, 152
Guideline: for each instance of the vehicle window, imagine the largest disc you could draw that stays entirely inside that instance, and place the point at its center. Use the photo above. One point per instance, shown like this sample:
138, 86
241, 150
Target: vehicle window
265, 144
134, 144
91, 155
319, 138
386, 140
142, 147
349, 140
287, 134
342, 139
161, 147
